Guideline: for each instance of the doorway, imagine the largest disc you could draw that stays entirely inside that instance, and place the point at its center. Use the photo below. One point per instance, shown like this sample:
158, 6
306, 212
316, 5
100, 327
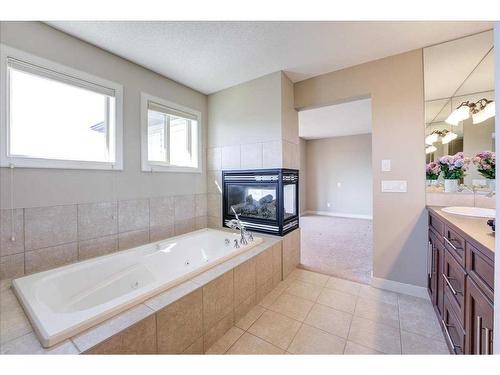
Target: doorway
336, 190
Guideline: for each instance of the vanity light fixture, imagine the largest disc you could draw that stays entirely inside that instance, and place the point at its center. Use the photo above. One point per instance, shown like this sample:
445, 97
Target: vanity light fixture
481, 110
446, 137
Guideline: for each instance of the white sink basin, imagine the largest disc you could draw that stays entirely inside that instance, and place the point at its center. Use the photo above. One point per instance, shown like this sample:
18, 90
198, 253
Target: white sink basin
470, 211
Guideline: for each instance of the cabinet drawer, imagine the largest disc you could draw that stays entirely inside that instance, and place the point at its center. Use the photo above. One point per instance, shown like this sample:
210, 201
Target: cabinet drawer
455, 243
480, 269
454, 285
452, 328
437, 225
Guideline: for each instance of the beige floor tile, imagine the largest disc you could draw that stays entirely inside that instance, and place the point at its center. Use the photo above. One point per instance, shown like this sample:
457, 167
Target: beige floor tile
337, 300
353, 348
292, 306
304, 290
250, 317
310, 340
271, 297
378, 311
310, 277
330, 320
225, 342
250, 344
275, 328
342, 285
416, 344
374, 335
419, 317
367, 291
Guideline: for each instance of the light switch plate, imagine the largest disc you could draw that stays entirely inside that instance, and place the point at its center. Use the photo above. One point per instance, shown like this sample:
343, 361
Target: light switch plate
386, 165
394, 186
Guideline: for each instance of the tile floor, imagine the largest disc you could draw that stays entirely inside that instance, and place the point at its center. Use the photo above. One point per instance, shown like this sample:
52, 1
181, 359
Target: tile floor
311, 313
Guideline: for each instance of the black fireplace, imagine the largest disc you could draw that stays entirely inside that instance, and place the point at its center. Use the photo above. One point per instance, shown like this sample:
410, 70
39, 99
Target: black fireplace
266, 200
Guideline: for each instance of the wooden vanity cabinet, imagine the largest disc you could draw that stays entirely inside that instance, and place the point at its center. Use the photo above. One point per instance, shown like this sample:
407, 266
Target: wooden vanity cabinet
460, 284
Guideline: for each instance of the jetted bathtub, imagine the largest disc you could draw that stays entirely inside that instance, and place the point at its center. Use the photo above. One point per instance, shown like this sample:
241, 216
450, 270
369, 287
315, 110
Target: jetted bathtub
67, 300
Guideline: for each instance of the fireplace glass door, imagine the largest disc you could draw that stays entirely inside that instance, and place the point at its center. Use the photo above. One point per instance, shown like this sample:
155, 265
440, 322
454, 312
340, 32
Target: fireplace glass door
250, 200
289, 201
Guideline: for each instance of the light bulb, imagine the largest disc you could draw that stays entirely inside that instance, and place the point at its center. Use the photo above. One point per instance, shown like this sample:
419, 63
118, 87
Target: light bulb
460, 114
430, 149
431, 138
484, 114
450, 136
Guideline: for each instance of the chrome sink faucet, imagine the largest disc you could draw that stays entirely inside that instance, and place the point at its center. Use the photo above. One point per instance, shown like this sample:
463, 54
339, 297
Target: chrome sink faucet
238, 224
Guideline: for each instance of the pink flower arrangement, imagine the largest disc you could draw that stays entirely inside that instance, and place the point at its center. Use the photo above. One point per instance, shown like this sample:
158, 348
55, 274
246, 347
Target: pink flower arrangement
485, 164
454, 167
432, 170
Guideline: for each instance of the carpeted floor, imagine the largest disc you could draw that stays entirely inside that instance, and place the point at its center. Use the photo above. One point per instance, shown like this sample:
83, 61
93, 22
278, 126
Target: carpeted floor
337, 246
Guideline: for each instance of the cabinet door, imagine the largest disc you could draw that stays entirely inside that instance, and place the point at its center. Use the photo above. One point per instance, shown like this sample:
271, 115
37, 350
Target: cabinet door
479, 320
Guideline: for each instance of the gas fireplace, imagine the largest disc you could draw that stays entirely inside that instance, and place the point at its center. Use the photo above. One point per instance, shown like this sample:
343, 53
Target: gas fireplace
266, 200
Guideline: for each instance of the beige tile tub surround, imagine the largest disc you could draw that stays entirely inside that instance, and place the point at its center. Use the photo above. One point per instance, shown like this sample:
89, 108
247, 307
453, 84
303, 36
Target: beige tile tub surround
284, 322
291, 252
48, 237
188, 318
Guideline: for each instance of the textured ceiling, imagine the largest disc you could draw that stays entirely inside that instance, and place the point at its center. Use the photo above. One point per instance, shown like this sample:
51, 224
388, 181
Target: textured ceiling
211, 56
336, 120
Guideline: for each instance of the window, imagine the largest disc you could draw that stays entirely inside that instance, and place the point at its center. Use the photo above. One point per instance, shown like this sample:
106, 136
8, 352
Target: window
57, 118
171, 136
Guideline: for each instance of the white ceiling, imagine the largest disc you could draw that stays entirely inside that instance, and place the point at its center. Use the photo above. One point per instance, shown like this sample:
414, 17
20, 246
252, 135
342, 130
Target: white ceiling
336, 120
211, 56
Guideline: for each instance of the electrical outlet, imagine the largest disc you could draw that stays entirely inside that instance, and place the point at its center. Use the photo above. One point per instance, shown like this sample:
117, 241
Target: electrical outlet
339, 184
328, 204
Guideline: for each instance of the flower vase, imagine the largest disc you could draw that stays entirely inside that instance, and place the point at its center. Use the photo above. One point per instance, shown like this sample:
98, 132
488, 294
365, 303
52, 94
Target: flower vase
491, 184
450, 186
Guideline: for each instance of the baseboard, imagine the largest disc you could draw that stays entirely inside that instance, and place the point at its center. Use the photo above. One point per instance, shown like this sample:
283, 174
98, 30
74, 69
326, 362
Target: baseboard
395, 286
339, 214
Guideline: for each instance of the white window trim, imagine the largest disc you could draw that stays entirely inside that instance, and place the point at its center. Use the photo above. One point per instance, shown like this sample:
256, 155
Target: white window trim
150, 166
7, 160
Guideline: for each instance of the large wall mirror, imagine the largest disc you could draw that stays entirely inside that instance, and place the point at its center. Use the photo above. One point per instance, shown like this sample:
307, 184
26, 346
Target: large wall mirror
460, 115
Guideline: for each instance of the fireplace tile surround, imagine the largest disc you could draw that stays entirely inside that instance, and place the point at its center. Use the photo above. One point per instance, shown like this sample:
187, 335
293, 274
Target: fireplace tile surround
49, 237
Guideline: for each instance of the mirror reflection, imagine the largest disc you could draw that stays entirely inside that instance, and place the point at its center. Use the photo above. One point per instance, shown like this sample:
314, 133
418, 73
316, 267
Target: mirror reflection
460, 115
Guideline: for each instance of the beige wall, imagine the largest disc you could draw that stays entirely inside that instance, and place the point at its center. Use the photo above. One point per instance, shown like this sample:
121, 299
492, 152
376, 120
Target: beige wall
302, 176
395, 85
340, 160
252, 125
46, 187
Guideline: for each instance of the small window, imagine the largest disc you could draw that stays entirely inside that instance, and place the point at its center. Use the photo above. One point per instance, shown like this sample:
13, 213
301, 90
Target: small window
56, 120
172, 137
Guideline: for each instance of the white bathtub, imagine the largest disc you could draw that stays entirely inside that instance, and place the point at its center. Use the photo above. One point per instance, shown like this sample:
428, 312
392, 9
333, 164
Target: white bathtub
67, 300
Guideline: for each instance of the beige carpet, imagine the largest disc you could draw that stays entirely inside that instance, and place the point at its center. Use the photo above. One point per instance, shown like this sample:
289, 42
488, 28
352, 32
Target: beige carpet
337, 247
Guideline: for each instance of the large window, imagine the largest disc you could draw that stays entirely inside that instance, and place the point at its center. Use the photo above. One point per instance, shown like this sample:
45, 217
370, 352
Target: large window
171, 136
59, 119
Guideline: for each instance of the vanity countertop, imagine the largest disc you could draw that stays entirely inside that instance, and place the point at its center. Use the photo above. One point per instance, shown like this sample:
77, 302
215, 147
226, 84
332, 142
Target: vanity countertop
474, 227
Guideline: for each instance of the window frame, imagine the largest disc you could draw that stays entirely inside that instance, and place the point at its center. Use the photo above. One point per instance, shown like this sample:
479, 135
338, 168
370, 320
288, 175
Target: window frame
158, 166
67, 75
